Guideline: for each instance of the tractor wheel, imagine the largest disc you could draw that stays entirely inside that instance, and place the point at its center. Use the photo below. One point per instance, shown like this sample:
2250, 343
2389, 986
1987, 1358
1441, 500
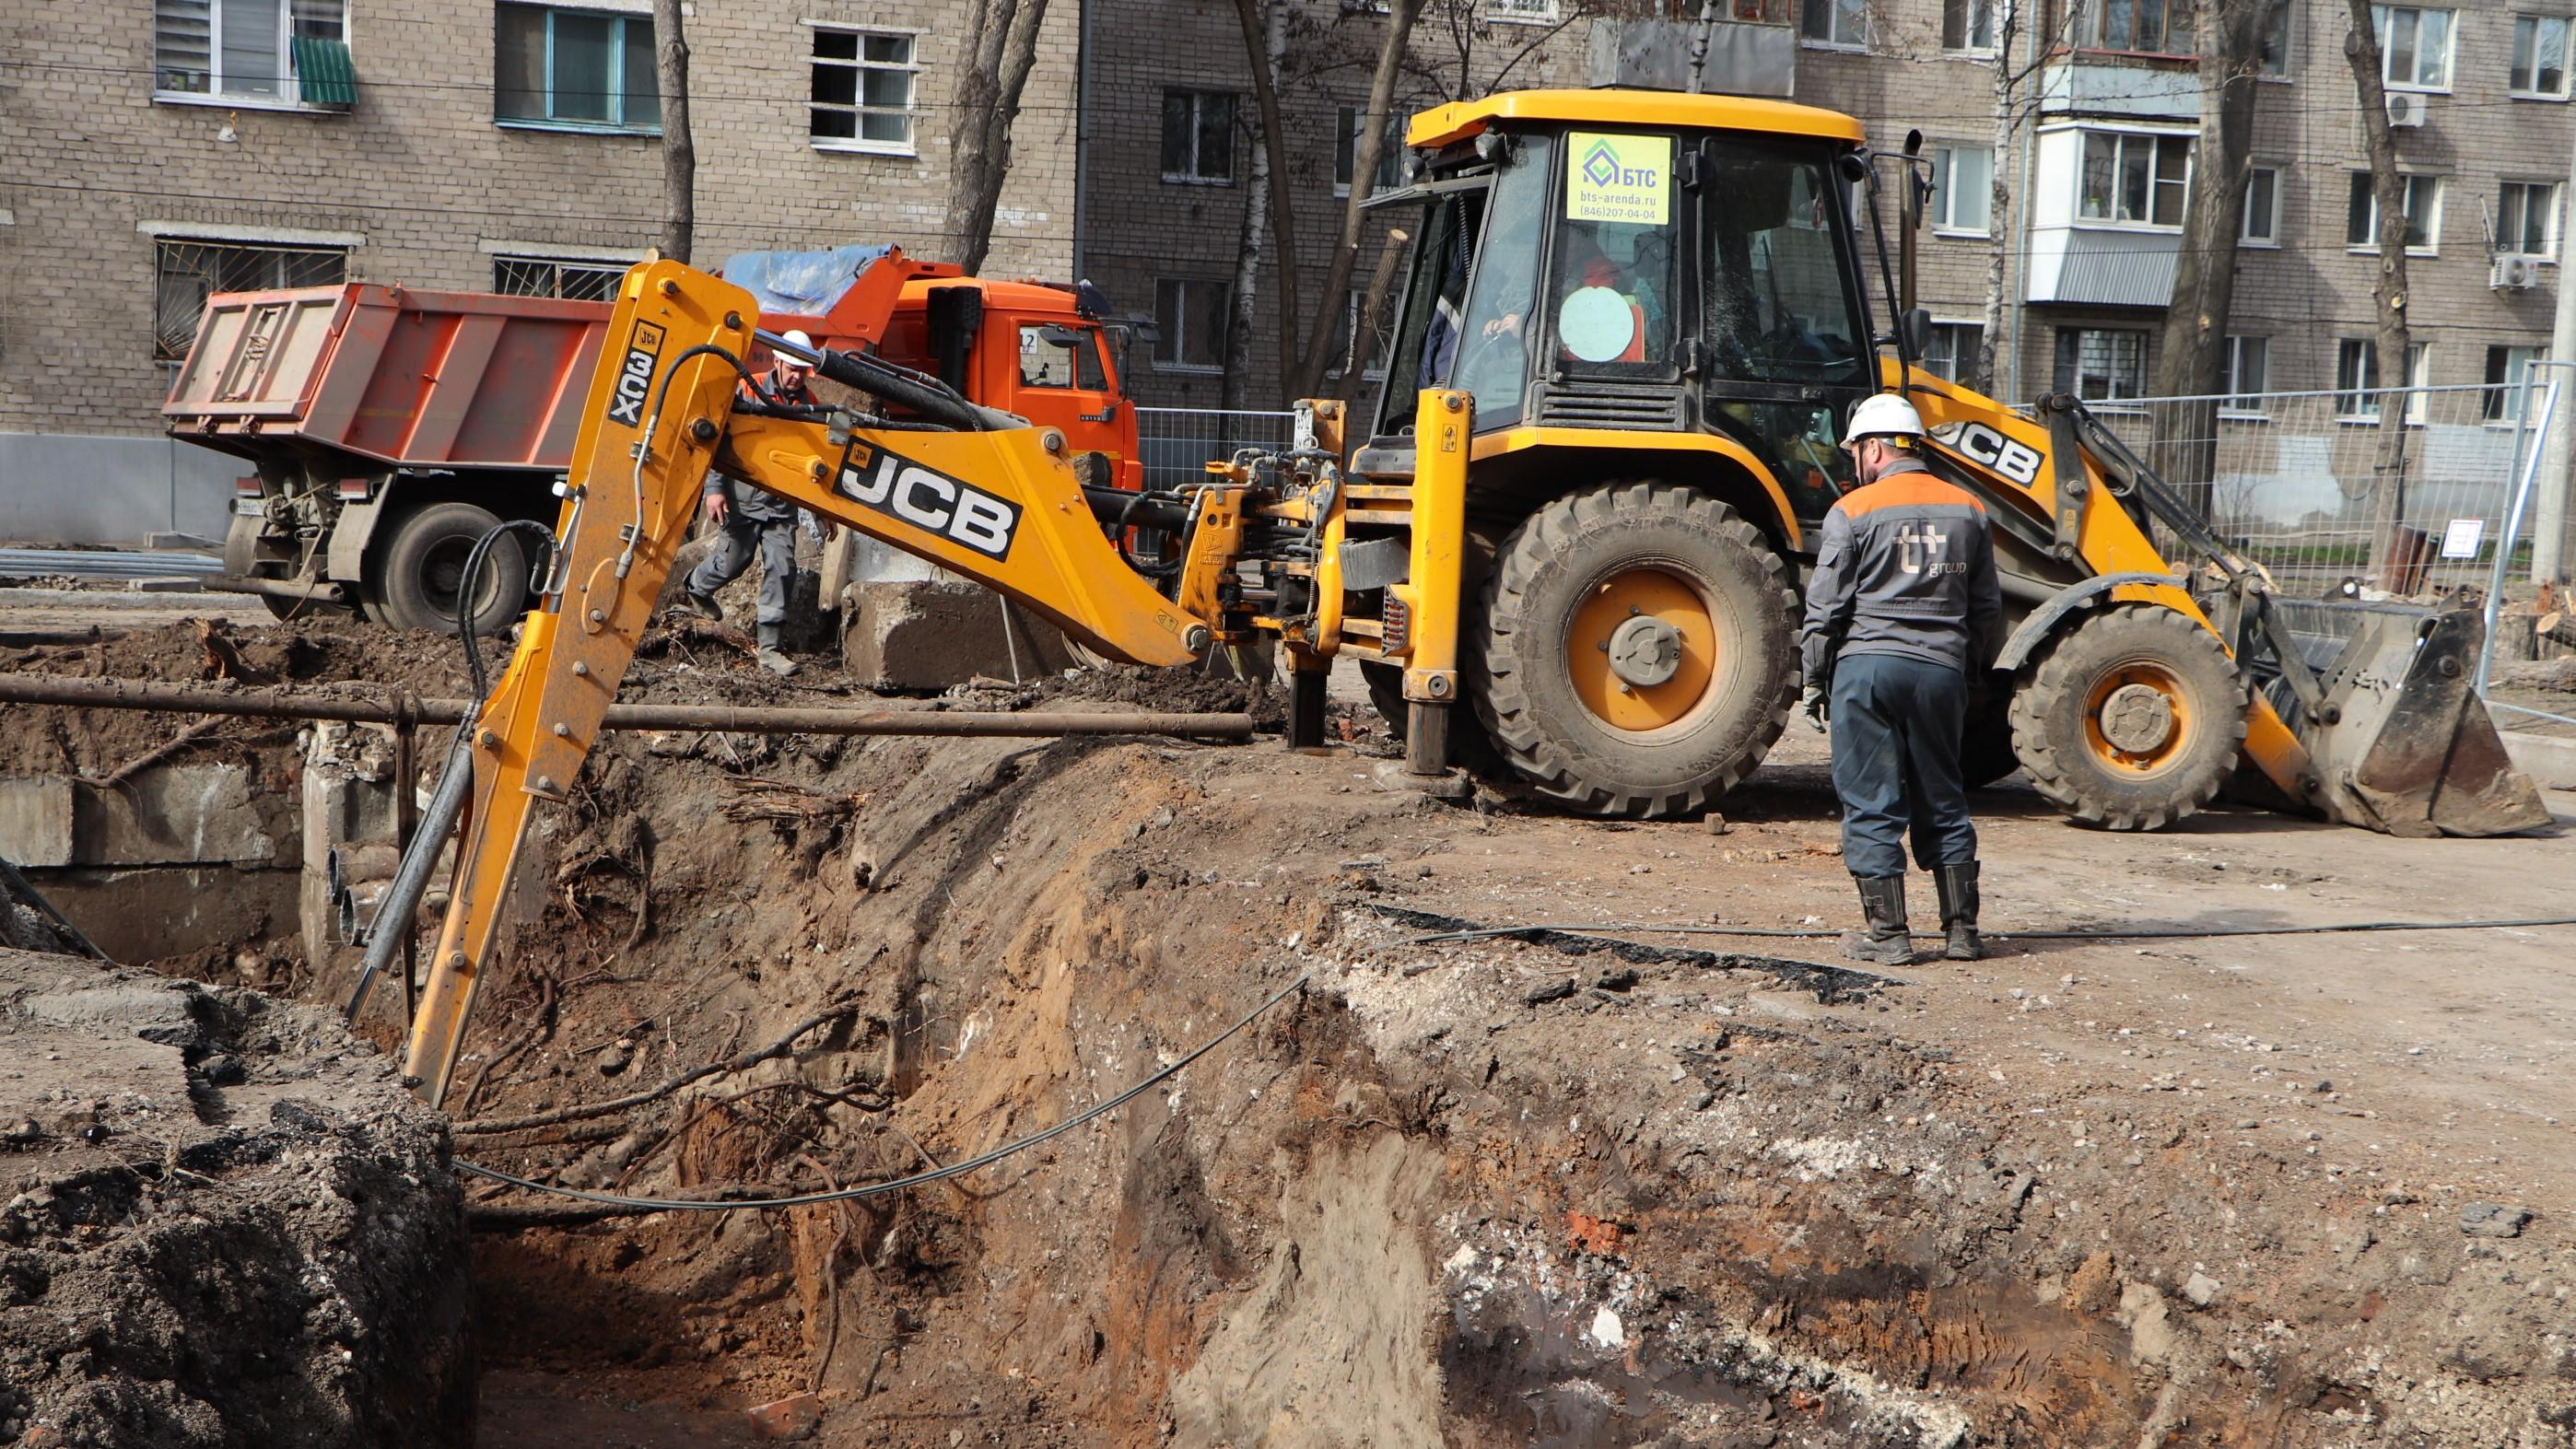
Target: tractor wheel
2132, 720
1633, 654
414, 577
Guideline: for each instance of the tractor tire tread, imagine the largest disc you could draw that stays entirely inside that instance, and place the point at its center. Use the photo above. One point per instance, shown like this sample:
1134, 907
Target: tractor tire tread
2051, 698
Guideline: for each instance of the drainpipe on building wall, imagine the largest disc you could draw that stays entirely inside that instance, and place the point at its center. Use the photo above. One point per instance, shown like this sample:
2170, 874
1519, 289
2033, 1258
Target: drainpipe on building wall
2549, 521
1081, 132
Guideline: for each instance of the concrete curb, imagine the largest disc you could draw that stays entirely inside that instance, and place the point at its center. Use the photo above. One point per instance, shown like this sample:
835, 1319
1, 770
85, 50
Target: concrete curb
2549, 760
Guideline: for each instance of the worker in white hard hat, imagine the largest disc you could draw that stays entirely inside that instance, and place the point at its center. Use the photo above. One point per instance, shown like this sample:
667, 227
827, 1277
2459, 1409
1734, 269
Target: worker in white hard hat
1903, 611
752, 521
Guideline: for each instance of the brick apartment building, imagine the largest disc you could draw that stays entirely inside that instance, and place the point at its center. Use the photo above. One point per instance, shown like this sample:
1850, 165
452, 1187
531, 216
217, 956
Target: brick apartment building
159, 150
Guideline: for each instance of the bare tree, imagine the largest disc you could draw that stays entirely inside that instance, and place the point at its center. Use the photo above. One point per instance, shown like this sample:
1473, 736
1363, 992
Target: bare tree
2388, 289
2016, 102
679, 153
2191, 356
1367, 148
1001, 48
1265, 46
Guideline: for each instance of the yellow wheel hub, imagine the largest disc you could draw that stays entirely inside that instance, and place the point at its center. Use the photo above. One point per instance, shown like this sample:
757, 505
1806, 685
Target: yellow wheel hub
2137, 717
1642, 649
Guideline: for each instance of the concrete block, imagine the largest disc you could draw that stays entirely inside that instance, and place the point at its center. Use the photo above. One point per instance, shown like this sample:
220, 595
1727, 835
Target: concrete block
181, 815
36, 820
930, 636
2549, 760
145, 915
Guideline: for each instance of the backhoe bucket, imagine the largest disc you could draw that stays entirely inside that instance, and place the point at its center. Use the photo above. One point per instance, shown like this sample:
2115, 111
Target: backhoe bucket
2411, 749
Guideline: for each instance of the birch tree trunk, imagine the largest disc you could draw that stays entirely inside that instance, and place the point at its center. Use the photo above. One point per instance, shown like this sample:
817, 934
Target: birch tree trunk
1265, 44
1247, 276
1001, 47
679, 153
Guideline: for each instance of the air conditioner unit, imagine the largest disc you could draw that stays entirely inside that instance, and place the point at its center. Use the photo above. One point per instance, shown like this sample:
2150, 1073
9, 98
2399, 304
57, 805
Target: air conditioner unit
2405, 108
2513, 274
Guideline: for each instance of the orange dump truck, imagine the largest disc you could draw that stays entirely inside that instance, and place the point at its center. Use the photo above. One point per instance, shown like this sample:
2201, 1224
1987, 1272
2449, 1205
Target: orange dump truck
388, 429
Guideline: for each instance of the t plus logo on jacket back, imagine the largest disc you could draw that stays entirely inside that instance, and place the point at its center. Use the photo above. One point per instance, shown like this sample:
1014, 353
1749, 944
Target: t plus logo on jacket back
1923, 548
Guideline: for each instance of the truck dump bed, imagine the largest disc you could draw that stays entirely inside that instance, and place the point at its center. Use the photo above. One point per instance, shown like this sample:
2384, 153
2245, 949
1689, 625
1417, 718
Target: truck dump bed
416, 380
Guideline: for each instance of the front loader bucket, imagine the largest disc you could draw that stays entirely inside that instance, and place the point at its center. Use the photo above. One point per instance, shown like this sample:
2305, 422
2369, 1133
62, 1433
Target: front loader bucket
2410, 749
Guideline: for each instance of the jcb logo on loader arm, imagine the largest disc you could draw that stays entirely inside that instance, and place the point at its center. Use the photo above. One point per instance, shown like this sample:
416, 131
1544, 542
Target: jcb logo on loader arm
635, 375
930, 500
1985, 445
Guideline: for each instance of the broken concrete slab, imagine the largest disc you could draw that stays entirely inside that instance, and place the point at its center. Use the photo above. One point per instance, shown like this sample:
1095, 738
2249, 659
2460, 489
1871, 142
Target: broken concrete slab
931, 635
176, 815
36, 820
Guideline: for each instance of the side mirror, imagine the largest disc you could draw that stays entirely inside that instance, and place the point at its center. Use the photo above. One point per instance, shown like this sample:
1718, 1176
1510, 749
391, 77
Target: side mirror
1918, 332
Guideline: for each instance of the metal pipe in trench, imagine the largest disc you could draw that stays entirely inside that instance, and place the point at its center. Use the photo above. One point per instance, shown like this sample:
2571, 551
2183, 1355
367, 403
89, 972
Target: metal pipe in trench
736, 719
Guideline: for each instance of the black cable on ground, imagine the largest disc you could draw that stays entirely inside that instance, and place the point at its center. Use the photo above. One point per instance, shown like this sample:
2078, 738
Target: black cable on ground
2106, 933
900, 1184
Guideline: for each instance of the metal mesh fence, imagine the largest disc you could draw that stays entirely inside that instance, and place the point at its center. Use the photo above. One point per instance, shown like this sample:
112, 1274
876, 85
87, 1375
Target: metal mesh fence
1179, 443
2294, 479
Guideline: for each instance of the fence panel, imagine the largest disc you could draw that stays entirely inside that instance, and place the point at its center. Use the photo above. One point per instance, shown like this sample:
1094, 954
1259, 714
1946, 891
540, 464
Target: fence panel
1179, 443
2291, 479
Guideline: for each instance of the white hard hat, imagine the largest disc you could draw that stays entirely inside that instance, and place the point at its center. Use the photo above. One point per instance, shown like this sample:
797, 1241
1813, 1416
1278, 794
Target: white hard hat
801, 340
1883, 415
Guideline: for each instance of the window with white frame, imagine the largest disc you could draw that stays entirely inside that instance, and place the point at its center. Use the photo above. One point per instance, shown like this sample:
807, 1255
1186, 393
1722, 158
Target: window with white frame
2414, 47
1198, 137
1843, 23
554, 65
2507, 369
1952, 352
242, 49
1970, 26
2423, 215
2241, 375
2357, 379
2134, 179
863, 90
2539, 57
2151, 27
1522, 12
1963, 189
580, 281
2102, 364
1351, 120
2262, 224
186, 273
2526, 220
2274, 61
1190, 315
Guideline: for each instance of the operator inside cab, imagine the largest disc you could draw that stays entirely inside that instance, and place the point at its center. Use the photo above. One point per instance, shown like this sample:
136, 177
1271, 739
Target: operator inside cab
1903, 613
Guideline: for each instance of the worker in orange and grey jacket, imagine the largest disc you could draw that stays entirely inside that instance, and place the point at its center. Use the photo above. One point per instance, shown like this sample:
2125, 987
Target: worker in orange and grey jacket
1903, 611
750, 519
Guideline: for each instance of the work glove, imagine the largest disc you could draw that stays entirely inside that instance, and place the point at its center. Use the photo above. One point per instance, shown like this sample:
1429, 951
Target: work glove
1815, 701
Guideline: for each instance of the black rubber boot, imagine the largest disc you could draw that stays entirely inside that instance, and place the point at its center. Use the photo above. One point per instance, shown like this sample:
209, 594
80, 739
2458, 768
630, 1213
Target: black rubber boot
1884, 942
704, 605
1958, 887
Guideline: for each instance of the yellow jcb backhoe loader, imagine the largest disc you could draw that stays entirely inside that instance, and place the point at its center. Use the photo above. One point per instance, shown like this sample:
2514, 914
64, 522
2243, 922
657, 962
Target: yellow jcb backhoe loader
1632, 327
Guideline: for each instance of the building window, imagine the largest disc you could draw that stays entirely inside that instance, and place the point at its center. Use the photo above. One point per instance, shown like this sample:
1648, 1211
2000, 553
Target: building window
1191, 318
2527, 219
2414, 47
547, 277
1963, 189
186, 273
2135, 180
2423, 215
587, 68
2102, 364
862, 90
1952, 352
244, 49
1346, 150
2262, 224
1522, 12
2507, 368
2539, 57
2241, 375
1843, 23
1970, 25
2357, 380
2151, 27
1198, 137
2275, 61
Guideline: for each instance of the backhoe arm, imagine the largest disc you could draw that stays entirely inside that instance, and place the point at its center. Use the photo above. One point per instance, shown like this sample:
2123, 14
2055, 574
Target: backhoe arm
999, 505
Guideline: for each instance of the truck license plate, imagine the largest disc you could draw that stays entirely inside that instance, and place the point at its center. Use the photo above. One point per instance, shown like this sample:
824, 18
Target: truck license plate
250, 508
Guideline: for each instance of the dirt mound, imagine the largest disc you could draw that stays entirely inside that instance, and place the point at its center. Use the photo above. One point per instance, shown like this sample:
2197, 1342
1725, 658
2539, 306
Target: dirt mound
222, 1223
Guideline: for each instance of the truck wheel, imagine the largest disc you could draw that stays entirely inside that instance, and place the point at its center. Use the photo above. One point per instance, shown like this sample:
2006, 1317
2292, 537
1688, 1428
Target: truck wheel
414, 578
2132, 720
1633, 656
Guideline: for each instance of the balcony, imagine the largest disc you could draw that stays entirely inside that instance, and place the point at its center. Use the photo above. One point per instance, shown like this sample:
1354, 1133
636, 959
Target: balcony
2094, 83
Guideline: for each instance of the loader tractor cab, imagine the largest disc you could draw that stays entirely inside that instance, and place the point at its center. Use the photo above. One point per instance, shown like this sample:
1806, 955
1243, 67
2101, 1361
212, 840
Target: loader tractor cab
1658, 304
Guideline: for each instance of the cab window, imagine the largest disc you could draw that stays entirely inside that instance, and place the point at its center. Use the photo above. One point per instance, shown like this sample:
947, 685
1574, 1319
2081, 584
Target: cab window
1779, 302
1057, 356
1615, 255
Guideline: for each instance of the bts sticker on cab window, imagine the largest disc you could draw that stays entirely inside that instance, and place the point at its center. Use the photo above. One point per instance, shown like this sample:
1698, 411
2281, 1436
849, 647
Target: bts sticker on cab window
1619, 178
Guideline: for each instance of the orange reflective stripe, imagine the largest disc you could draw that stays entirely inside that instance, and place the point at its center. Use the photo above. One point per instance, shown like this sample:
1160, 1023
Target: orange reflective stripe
1905, 490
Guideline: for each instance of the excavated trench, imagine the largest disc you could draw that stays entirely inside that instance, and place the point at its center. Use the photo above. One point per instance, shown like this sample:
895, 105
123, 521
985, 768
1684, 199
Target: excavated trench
1528, 1193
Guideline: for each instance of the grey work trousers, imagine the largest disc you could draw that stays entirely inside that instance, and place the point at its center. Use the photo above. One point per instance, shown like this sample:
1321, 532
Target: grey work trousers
1896, 725
736, 538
